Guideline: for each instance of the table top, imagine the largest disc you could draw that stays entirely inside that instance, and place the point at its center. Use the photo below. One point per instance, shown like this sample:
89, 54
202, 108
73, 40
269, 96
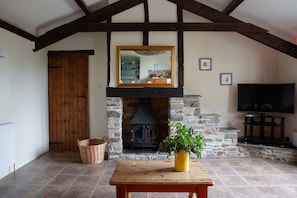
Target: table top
159, 172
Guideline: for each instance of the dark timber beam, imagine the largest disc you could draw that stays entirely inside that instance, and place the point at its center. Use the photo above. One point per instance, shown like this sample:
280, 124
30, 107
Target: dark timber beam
108, 43
217, 16
83, 6
180, 49
232, 6
97, 16
144, 92
145, 27
146, 20
17, 30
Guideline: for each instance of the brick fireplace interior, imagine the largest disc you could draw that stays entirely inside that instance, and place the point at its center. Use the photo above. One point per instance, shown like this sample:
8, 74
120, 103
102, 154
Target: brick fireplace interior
159, 108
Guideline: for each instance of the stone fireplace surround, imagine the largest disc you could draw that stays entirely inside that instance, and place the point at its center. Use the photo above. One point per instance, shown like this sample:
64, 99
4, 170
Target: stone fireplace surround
219, 141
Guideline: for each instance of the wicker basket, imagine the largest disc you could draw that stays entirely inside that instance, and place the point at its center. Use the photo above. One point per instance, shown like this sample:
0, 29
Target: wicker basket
92, 150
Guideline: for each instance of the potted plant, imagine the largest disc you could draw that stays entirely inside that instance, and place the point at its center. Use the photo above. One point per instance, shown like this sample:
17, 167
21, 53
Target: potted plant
182, 144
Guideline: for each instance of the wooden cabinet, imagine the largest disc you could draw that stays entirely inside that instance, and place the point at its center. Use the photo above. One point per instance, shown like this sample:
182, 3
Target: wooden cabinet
130, 69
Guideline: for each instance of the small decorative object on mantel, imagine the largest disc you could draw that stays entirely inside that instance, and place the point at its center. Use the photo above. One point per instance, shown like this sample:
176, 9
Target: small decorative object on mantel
204, 64
226, 78
182, 144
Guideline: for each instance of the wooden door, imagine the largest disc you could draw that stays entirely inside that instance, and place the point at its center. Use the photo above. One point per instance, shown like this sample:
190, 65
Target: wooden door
68, 100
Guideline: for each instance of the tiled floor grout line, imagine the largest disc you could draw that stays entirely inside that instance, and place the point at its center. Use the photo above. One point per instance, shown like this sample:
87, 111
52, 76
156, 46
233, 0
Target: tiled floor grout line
226, 186
96, 185
237, 174
46, 184
250, 184
70, 186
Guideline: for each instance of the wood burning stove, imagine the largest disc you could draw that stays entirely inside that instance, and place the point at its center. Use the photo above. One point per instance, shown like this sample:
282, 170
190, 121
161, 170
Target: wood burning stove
145, 136
145, 127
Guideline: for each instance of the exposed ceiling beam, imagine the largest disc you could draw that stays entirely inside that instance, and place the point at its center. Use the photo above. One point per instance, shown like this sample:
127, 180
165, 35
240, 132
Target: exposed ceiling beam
204, 11
217, 16
145, 40
97, 16
17, 30
232, 6
107, 27
83, 6
190, 5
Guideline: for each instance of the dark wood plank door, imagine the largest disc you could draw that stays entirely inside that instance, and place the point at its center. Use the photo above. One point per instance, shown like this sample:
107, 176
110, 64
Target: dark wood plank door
68, 100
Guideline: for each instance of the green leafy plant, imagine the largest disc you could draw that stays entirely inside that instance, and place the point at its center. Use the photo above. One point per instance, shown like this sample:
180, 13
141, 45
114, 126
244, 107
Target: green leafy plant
184, 139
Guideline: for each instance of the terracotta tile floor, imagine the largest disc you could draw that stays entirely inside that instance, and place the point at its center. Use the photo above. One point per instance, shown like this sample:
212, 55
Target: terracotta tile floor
63, 175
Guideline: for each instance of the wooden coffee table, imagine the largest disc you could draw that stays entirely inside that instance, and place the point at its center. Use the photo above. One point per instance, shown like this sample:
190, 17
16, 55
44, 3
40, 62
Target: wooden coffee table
159, 176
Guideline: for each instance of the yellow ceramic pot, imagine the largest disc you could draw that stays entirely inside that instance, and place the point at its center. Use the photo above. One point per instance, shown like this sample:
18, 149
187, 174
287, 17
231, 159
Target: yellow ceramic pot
181, 161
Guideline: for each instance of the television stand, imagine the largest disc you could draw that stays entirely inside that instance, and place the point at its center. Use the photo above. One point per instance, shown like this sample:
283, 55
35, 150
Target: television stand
262, 122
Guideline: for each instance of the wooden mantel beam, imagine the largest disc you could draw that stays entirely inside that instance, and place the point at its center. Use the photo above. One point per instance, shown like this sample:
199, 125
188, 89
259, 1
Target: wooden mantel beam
217, 16
103, 27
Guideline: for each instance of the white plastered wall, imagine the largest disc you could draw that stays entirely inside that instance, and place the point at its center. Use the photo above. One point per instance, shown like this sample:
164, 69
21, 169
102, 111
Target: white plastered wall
23, 96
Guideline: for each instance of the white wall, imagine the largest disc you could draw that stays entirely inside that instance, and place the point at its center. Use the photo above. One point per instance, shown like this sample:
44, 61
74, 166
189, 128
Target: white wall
24, 89
23, 95
287, 72
247, 60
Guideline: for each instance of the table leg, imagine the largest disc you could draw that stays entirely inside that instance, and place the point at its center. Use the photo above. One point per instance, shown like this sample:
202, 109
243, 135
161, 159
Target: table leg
201, 192
191, 194
122, 192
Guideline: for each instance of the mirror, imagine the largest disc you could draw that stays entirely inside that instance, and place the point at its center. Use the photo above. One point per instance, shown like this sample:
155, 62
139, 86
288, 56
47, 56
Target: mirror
145, 66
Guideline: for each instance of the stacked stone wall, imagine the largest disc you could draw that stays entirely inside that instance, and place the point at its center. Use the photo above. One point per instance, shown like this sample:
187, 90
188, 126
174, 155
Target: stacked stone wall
219, 141
286, 155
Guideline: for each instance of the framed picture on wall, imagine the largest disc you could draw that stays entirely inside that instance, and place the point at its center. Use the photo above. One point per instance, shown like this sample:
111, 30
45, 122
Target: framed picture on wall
225, 78
204, 64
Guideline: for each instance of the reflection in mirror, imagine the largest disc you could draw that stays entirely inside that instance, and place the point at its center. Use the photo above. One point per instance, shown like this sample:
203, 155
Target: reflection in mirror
145, 66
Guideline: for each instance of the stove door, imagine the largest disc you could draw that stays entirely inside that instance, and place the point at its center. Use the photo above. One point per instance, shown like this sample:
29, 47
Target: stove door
145, 136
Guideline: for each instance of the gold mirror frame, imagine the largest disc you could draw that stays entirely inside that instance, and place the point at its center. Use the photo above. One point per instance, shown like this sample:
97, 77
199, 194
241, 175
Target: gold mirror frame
145, 66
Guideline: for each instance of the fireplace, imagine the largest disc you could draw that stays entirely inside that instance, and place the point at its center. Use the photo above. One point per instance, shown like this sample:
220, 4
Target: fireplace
219, 142
144, 123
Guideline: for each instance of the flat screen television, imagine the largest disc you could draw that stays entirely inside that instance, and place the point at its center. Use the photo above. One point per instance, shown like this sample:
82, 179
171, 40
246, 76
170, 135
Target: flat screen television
266, 97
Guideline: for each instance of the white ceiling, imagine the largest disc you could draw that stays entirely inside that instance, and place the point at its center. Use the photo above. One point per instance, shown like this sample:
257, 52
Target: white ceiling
38, 16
